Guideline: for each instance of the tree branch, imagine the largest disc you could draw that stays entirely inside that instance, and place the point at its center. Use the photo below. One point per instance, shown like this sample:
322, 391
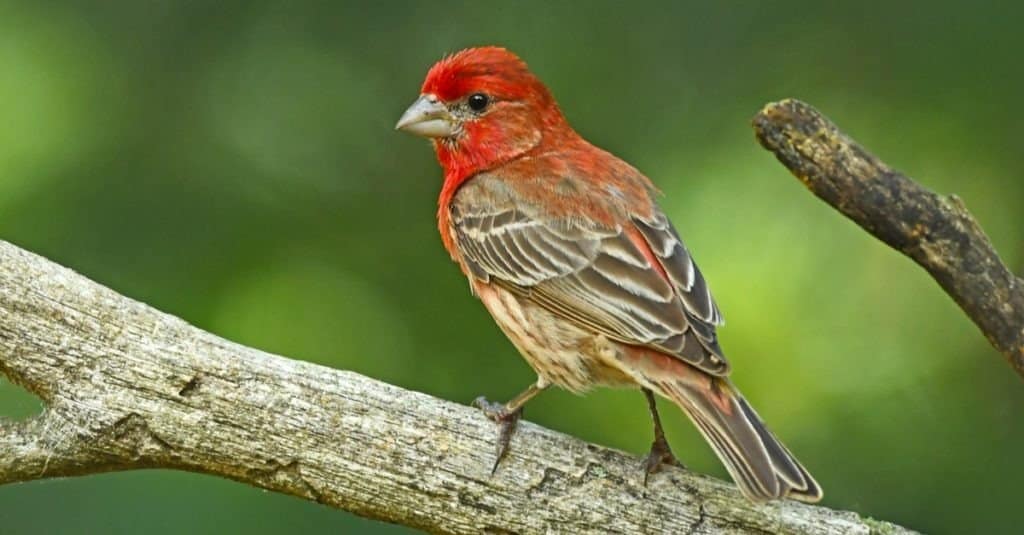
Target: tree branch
936, 232
129, 387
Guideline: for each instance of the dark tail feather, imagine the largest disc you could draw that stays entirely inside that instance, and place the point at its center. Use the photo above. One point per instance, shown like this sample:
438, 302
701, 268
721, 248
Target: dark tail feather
801, 485
761, 466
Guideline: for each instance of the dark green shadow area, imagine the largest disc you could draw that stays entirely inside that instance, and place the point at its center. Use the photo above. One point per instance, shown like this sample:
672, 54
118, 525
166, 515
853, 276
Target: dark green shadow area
161, 501
16, 403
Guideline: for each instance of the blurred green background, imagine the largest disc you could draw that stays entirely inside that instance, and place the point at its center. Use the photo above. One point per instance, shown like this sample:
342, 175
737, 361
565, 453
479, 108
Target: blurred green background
234, 163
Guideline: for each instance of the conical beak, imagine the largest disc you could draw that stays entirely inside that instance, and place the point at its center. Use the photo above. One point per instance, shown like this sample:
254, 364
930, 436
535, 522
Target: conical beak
427, 117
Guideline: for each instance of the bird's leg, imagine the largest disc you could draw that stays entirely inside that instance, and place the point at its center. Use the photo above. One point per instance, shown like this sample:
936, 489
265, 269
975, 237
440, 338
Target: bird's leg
660, 453
507, 415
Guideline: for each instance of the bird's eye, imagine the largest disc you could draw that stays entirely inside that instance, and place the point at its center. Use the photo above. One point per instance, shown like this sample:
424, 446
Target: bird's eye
478, 101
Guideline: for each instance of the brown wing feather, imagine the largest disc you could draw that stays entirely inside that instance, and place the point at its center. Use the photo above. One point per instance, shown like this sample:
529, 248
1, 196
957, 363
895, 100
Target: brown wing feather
647, 293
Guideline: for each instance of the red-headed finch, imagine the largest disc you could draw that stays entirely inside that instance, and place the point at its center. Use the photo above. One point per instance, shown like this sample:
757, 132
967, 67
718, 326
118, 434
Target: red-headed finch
566, 247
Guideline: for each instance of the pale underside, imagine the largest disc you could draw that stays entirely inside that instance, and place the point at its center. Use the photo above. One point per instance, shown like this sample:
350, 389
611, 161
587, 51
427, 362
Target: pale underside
559, 351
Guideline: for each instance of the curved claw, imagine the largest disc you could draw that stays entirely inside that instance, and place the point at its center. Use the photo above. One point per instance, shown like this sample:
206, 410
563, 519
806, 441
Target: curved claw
507, 419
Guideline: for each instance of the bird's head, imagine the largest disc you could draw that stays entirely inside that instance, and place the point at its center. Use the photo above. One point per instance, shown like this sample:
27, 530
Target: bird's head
481, 107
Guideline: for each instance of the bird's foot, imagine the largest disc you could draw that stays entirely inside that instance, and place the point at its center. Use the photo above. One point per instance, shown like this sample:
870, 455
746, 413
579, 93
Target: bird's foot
507, 419
660, 455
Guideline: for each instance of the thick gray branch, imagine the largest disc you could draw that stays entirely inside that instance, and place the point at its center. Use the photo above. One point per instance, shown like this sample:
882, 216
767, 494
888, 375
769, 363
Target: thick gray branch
936, 232
127, 387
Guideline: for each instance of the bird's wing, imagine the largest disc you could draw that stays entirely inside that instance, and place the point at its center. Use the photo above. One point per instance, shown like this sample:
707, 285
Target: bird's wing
635, 282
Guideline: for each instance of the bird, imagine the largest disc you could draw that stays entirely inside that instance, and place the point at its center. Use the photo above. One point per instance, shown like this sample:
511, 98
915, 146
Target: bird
566, 247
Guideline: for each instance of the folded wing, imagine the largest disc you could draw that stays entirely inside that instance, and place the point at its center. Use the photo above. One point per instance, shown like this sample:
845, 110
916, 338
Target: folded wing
635, 283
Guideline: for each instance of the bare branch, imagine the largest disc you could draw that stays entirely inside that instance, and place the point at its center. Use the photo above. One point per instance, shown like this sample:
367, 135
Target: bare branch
936, 232
128, 387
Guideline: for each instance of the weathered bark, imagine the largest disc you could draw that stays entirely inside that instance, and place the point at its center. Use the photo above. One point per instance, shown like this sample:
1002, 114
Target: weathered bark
936, 232
129, 387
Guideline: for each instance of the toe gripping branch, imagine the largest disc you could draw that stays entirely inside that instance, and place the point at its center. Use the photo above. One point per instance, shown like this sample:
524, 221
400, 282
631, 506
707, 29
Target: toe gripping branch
507, 416
660, 454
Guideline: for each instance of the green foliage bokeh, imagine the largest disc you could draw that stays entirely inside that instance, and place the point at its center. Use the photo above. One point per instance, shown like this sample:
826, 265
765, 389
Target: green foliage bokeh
234, 164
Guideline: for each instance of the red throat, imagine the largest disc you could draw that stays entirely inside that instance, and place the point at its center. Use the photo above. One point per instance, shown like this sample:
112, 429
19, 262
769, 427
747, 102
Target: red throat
459, 166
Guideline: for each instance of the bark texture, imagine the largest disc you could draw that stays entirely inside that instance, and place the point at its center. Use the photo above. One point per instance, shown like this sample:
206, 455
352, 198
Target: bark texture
935, 231
128, 387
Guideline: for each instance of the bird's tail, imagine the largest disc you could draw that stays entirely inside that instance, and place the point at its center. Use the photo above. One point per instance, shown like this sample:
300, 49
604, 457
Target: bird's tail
757, 461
